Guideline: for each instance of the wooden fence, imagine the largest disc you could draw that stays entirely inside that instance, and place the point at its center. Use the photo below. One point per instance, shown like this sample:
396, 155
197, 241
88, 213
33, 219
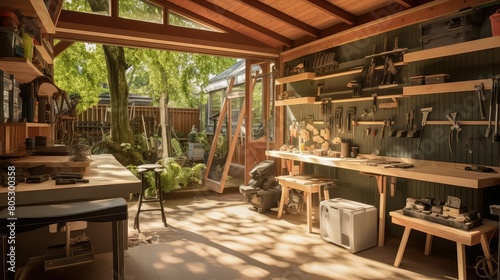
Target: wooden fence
94, 122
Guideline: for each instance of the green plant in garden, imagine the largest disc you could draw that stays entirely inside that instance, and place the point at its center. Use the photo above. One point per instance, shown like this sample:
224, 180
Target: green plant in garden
173, 176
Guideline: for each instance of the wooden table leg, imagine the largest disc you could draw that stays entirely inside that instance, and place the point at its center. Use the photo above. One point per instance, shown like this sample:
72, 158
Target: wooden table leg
284, 196
382, 188
462, 275
309, 210
402, 246
428, 244
486, 250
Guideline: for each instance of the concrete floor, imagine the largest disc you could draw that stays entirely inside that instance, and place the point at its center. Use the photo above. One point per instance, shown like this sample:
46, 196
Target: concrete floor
213, 236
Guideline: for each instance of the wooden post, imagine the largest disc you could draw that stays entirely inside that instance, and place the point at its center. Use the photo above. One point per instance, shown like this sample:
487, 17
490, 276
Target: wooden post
163, 125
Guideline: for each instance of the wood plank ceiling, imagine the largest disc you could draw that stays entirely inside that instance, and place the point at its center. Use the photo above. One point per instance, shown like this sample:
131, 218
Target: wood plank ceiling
257, 29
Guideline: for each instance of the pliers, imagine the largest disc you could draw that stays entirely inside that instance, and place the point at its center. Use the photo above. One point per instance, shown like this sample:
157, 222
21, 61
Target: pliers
454, 129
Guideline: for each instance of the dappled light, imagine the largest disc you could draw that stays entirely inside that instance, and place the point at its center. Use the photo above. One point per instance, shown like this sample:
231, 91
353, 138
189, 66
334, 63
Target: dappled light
220, 237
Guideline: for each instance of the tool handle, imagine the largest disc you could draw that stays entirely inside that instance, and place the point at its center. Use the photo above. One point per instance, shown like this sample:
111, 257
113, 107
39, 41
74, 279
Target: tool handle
480, 94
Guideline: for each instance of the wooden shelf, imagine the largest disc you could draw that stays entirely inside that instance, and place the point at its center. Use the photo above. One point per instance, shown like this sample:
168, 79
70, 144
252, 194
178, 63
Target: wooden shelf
460, 48
295, 101
340, 74
459, 122
23, 70
296, 78
32, 8
446, 87
45, 53
25, 124
14, 134
362, 99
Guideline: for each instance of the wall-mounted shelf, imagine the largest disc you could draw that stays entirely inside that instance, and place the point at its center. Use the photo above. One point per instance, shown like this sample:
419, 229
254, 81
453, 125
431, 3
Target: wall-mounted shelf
32, 8
459, 48
446, 87
362, 99
295, 101
46, 54
459, 122
15, 134
296, 78
23, 70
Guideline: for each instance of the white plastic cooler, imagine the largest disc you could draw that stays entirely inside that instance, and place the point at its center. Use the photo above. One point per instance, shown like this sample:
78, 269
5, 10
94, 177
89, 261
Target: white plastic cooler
349, 224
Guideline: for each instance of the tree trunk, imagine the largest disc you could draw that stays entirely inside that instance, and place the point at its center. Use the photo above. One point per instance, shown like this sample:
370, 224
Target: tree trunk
121, 132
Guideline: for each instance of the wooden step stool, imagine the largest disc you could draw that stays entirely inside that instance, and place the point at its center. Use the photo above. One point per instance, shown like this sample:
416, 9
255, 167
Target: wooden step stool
309, 184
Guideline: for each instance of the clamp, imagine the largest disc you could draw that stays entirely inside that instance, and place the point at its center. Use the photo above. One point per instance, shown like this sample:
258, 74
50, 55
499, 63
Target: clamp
454, 129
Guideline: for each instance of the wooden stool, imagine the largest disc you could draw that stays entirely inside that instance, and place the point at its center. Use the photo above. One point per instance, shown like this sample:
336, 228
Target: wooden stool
157, 169
477, 235
309, 184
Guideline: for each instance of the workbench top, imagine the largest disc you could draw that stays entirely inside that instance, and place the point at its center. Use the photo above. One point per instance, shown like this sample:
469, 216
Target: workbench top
423, 170
107, 179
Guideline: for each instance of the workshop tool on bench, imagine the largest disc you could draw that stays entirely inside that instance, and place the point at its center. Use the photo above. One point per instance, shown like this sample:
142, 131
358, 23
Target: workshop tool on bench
414, 131
480, 97
68, 176
402, 133
487, 133
70, 181
454, 130
37, 178
425, 114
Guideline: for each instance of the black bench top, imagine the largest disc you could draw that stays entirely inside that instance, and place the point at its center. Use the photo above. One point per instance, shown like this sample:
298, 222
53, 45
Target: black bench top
33, 217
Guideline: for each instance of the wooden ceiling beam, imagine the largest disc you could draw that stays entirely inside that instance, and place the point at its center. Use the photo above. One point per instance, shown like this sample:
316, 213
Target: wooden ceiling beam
216, 9
283, 17
383, 20
404, 3
74, 26
336, 11
61, 46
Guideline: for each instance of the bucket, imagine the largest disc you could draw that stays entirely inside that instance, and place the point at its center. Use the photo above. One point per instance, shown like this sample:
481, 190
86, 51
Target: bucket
495, 23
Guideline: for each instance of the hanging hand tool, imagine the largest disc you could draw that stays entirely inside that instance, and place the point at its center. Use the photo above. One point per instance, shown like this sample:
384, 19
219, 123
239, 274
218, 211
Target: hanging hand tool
350, 116
338, 119
371, 69
368, 131
480, 97
454, 129
402, 133
413, 132
495, 91
373, 108
492, 96
425, 114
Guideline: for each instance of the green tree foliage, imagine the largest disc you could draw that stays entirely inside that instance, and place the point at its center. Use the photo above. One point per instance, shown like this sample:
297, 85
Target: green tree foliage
81, 68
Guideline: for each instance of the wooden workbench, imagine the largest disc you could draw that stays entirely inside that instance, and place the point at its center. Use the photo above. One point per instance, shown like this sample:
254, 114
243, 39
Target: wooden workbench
423, 170
477, 235
107, 179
